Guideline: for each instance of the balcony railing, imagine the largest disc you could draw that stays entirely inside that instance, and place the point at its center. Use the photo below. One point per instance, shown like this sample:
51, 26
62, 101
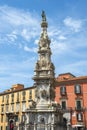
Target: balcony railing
69, 109
2, 112
79, 109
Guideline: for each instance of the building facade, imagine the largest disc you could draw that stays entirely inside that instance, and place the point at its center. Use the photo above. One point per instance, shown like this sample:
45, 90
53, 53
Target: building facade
71, 93
13, 103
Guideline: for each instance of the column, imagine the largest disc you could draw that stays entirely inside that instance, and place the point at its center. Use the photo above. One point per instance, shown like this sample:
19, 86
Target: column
46, 126
35, 126
52, 126
25, 127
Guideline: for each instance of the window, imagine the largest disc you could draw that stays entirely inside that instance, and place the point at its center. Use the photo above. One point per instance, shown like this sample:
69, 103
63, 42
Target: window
23, 106
17, 97
77, 89
78, 105
16, 118
63, 104
23, 118
23, 95
7, 99
2, 98
12, 107
79, 116
12, 96
17, 107
7, 106
30, 94
2, 109
62, 90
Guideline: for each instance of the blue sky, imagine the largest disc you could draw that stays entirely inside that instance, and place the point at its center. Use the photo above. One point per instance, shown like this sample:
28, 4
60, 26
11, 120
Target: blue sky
20, 31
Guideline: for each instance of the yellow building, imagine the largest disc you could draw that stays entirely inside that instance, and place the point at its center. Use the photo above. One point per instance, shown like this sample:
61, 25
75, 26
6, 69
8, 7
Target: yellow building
13, 103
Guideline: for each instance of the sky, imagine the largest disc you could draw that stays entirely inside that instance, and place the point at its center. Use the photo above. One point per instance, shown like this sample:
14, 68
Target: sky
20, 32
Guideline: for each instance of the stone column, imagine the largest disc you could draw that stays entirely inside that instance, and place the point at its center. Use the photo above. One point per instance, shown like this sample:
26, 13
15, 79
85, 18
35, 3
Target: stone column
46, 126
18, 128
52, 126
25, 127
27, 117
35, 126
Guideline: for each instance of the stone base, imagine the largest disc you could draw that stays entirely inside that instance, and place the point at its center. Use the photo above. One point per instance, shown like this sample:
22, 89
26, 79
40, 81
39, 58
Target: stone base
44, 119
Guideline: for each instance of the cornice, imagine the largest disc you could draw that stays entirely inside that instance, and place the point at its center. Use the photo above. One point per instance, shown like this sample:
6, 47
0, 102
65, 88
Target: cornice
76, 80
14, 91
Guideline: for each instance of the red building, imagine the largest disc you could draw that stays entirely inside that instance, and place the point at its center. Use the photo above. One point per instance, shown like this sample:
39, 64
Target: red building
71, 93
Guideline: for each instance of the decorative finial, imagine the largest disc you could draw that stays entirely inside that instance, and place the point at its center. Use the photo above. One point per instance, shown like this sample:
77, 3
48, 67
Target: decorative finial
43, 16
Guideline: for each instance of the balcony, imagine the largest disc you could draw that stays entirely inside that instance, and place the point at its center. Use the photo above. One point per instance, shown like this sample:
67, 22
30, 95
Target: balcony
23, 111
7, 112
2, 112
10, 112
17, 111
79, 109
63, 93
67, 109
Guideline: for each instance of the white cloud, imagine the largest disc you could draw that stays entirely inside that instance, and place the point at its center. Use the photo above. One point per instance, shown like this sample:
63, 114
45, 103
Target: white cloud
12, 37
25, 34
17, 17
29, 34
16, 24
58, 47
61, 37
54, 31
36, 41
73, 23
26, 48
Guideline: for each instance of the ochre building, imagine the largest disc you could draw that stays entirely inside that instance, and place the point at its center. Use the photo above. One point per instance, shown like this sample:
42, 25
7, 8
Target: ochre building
13, 103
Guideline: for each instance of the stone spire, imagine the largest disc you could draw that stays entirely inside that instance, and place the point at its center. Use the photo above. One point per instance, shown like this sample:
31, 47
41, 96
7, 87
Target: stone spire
44, 113
44, 69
